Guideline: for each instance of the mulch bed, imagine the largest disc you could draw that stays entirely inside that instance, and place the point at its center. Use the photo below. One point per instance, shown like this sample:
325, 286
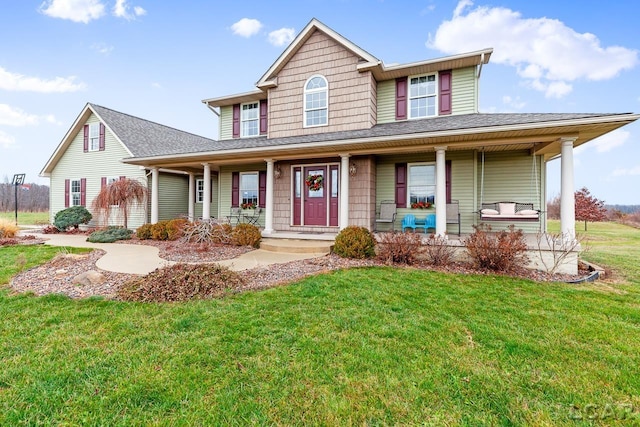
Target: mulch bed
57, 275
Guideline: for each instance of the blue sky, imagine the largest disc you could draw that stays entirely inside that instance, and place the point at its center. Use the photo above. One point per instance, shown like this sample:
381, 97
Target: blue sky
157, 60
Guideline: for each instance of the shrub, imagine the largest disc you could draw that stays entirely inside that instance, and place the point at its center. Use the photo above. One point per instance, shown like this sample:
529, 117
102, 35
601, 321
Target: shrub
175, 228
72, 217
208, 232
400, 248
8, 241
159, 230
181, 282
110, 235
355, 242
246, 235
8, 229
437, 251
501, 251
144, 232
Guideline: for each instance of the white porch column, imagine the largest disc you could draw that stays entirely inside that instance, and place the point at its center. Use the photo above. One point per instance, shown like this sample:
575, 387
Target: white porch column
441, 192
192, 197
343, 218
268, 203
567, 191
155, 178
206, 197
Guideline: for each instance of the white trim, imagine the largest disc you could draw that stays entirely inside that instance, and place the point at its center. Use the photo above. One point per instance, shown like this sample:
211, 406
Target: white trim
435, 96
199, 193
257, 119
409, 165
306, 92
292, 193
71, 192
257, 174
93, 126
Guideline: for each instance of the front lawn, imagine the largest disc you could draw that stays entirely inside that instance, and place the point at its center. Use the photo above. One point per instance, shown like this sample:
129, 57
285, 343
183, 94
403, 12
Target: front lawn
28, 218
370, 346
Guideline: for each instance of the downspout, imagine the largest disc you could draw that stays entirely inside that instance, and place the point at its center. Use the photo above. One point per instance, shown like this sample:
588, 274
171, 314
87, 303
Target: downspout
480, 66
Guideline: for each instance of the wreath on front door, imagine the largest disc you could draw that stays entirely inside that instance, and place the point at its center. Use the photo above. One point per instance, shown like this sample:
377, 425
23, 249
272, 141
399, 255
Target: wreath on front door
314, 182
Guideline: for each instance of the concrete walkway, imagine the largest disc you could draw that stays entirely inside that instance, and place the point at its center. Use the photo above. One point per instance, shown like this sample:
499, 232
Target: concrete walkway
142, 259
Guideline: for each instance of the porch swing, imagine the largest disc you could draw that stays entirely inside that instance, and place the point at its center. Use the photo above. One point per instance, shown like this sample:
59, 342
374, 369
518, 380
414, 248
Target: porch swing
510, 211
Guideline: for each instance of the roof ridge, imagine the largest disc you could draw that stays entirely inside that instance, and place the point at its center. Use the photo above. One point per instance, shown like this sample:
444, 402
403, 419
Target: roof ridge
149, 121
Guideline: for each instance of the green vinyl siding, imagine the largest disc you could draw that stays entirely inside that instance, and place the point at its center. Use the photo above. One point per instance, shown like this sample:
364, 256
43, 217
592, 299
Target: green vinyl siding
462, 185
464, 91
509, 177
386, 101
173, 195
226, 122
225, 186
213, 206
93, 166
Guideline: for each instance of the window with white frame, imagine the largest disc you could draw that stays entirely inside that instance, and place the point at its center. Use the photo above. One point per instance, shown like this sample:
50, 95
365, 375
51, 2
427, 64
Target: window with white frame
422, 96
112, 179
249, 188
74, 192
94, 137
250, 119
199, 190
316, 95
422, 182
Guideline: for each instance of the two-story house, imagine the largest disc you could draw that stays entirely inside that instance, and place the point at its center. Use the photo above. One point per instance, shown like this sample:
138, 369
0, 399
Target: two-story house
331, 131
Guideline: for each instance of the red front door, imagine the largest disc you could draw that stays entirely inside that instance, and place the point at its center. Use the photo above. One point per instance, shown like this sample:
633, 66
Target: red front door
315, 196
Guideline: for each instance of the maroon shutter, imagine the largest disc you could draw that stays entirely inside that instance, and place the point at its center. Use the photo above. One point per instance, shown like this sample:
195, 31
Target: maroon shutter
86, 138
236, 120
66, 193
122, 177
401, 185
235, 189
401, 98
262, 189
445, 92
83, 191
101, 137
264, 112
103, 182
448, 175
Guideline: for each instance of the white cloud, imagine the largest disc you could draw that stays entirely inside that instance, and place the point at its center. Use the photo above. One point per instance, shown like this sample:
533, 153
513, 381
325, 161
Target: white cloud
611, 140
516, 102
6, 140
545, 52
282, 36
102, 48
10, 116
246, 27
156, 85
627, 172
74, 10
18, 82
121, 10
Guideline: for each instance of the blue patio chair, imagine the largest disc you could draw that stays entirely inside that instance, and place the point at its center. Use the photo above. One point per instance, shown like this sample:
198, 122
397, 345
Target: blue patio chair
409, 221
430, 222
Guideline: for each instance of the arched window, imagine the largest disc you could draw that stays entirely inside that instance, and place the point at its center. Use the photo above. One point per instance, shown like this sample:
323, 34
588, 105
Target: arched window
316, 95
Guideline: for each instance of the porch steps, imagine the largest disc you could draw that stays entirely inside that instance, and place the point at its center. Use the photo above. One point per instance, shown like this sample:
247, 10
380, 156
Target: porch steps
296, 246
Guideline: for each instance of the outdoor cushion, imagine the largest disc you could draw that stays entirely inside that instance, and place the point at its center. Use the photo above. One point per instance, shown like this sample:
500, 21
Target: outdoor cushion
507, 208
527, 212
489, 212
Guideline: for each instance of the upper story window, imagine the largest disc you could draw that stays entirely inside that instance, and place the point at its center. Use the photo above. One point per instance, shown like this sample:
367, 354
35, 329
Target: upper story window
422, 96
250, 119
422, 182
94, 137
316, 94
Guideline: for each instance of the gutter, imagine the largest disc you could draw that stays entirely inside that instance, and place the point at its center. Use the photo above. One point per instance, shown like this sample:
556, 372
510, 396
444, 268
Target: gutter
422, 135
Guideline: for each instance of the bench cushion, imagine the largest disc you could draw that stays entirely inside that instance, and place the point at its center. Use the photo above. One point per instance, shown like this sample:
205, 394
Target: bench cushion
527, 212
489, 212
507, 209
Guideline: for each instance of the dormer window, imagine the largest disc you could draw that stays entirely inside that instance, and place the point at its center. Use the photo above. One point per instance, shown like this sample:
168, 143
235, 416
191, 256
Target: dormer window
422, 96
316, 95
250, 119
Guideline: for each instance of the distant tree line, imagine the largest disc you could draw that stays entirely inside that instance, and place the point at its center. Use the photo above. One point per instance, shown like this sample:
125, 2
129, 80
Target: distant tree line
31, 197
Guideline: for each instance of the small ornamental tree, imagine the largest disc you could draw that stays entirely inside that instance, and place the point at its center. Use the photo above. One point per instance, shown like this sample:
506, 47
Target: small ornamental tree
123, 194
588, 208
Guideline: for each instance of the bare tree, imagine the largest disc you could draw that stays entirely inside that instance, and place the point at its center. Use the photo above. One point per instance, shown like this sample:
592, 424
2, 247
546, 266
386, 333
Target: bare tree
588, 208
553, 208
123, 193
31, 197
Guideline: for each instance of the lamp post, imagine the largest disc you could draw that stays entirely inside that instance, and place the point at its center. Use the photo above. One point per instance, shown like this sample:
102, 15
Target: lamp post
18, 179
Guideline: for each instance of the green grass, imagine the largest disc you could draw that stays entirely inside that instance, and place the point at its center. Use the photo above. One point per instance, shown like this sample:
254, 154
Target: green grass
27, 218
14, 259
374, 346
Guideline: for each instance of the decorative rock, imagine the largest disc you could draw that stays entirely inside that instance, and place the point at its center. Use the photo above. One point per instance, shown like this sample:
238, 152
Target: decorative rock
90, 277
61, 272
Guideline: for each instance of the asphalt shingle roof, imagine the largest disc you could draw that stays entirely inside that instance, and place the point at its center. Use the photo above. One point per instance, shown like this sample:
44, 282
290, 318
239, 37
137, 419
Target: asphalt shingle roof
149, 139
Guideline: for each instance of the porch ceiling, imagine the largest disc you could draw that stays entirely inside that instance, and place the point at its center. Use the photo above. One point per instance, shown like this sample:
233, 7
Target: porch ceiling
543, 139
